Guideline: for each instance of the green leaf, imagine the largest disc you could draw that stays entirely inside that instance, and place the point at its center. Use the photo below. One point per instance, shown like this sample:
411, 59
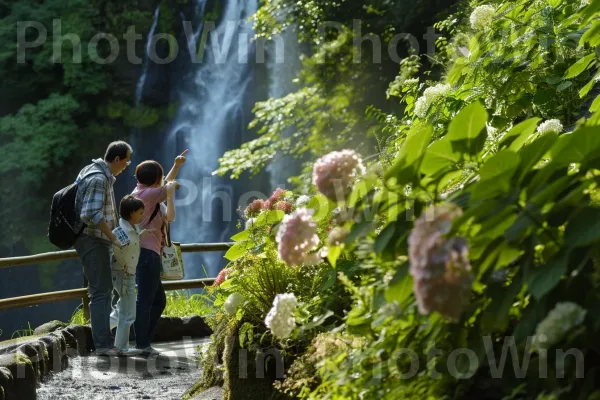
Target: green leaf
595, 105
384, 238
496, 175
359, 229
496, 315
577, 147
246, 330
586, 89
590, 11
269, 217
321, 205
545, 278
533, 152
400, 288
409, 158
519, 134
564, 85
533, 315
580, 66
240, 236
439, 156
333, 253
592, 35
584, 228
236, 251
467, 128
360, 190
317, 321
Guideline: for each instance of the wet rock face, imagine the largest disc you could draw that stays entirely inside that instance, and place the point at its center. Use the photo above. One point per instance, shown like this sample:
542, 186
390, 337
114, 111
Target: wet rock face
49, 327
19, 377
173, 328
33, 361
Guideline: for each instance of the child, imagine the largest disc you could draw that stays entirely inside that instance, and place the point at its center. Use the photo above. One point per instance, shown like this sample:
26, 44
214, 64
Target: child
124, 265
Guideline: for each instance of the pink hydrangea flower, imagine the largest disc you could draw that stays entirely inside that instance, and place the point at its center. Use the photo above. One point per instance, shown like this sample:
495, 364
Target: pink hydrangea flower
278, 194
269, 204
297, 236
222, 276
284, 206
439, 266
254, 208
334, 173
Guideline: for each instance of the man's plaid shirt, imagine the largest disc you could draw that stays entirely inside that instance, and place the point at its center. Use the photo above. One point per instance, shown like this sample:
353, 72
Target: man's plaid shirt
96, 198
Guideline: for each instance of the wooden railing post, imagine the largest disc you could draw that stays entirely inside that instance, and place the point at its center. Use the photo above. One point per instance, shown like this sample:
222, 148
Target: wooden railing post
86, 300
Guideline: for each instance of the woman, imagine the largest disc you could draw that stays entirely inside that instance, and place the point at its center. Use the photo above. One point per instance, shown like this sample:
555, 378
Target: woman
151, 299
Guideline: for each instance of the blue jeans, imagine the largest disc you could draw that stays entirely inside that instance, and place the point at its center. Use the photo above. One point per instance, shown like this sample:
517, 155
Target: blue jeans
151, 298
124, 285
96, 254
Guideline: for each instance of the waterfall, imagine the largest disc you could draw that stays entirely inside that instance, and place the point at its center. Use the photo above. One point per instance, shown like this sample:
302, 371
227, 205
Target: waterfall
139, 90
283, 66
208, 123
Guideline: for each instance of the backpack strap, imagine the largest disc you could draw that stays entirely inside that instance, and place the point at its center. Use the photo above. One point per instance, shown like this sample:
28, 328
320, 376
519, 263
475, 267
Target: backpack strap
156, 210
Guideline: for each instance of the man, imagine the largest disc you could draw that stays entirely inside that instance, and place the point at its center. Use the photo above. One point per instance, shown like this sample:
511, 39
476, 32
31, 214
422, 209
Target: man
95, 202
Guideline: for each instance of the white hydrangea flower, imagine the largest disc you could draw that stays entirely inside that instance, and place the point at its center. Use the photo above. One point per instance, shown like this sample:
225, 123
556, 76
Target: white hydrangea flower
302, 200
410, 83
482, 17
421, 107
280, 320
564, 317
250, 223
431, 96
232, 303
551, 125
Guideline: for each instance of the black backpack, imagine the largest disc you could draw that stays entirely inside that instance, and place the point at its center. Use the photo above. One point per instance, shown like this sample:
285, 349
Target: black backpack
64, 218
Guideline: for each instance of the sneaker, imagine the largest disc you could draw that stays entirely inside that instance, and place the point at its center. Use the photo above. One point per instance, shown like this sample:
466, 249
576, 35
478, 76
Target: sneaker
131, 352
114, 352
148, 351
102, 352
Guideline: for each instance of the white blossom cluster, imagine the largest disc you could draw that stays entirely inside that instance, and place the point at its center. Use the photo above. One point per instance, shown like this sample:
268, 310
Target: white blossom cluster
410, 83
564, 317
280, 320
482, 17
430, 96
551, 125
232, 303
302, 200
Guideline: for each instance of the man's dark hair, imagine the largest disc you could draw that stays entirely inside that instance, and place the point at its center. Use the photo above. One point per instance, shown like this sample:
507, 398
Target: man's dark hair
117, 149
149, 172
129, 205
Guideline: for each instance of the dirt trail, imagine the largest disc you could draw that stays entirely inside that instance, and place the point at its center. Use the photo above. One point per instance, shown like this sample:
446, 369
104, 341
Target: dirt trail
166, 376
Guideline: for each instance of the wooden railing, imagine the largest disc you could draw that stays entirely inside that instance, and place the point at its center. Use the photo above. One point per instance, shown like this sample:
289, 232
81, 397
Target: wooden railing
82, 293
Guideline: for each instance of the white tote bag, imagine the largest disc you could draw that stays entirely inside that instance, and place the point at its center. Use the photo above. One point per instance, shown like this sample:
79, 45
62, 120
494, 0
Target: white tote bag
172, 263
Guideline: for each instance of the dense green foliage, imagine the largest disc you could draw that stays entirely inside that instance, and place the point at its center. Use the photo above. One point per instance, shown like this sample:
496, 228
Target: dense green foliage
508, 139
59, 106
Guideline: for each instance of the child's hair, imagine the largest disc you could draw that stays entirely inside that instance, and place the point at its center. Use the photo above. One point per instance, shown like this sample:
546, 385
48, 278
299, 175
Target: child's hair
149, 172
129, 205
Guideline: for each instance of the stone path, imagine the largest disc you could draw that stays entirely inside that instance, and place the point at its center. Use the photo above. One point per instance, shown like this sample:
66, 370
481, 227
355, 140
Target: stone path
166, 376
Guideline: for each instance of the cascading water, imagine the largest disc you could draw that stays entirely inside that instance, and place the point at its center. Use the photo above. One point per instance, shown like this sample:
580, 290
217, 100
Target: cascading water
139, 90
208, 123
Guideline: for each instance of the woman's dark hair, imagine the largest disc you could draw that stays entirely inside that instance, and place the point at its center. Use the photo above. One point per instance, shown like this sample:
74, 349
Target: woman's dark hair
149, 172
129, 205
117, 149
